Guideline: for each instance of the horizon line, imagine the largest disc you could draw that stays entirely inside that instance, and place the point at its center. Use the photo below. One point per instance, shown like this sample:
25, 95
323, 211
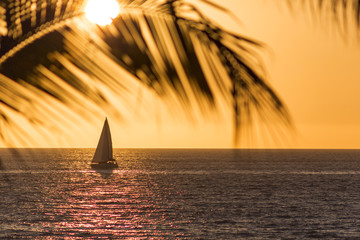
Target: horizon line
184, 148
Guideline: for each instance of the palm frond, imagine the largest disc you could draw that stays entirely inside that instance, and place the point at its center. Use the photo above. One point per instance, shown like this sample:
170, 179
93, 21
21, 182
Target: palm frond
26, 18
170, 47
340, 12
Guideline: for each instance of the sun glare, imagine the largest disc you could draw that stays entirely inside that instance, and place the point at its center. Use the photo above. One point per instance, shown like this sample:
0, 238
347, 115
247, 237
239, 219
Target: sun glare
102, 12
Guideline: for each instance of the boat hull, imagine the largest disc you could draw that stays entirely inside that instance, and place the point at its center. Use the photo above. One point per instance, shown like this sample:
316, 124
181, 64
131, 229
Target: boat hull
105, 165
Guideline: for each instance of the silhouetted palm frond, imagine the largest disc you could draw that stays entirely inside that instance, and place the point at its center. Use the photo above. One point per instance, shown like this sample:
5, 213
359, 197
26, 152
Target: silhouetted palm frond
169, 46
339, 11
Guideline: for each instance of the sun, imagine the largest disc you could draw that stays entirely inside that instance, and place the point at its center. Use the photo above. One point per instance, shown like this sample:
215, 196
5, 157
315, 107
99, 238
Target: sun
102, 12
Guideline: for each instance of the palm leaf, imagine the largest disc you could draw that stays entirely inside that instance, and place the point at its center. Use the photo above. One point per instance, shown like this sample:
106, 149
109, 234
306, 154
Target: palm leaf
170, 47
342, 12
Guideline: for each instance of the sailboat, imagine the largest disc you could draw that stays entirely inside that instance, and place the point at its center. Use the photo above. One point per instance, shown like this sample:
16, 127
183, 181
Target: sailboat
103, 157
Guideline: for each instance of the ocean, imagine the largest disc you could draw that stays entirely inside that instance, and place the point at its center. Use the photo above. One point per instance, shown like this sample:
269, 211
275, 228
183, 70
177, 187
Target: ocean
180, 194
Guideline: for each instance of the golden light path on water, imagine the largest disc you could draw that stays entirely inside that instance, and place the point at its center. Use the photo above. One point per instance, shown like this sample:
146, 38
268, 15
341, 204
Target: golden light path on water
180, 194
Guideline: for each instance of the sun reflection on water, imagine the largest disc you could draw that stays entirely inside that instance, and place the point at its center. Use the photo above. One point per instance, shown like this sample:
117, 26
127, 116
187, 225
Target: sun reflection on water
164, 196
119, 205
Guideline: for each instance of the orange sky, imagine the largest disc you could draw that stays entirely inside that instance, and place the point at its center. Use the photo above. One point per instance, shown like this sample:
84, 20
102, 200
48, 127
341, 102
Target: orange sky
310, 66
314, 70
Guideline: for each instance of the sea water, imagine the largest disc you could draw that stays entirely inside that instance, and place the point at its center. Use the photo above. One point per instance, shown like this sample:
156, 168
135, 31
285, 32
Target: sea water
180, 194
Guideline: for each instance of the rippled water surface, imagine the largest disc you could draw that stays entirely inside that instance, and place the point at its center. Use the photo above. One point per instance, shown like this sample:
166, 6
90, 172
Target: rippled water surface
189, 194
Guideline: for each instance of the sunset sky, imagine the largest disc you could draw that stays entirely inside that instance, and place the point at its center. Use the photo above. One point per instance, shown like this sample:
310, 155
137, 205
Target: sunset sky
311, 66
313, 69
309, 63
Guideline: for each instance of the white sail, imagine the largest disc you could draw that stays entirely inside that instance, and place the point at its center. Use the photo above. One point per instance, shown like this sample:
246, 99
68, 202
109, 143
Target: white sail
104, 150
